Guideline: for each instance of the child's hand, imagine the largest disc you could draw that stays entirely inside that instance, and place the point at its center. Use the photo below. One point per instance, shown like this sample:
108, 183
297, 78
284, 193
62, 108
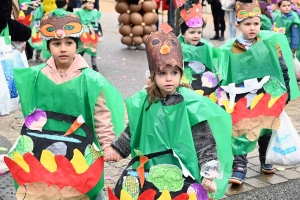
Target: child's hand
111, 155
209, 185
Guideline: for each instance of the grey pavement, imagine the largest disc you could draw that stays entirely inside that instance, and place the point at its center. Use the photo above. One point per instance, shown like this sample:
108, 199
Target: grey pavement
126, 70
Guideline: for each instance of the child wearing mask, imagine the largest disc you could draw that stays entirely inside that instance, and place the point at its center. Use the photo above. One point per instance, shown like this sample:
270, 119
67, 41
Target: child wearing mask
155, 124
249, 65
71, 116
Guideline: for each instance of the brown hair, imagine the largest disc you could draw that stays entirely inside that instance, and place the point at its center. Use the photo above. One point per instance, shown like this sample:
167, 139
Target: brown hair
154, 91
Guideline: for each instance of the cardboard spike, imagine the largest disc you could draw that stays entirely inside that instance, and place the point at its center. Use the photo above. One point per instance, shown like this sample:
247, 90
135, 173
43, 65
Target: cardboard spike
166, 28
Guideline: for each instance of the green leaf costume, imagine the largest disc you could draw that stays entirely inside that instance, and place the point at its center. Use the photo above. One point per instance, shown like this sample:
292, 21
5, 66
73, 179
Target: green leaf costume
75, 97
266, 22
35, 40
89, 20
199, 66
169, 127
258, 61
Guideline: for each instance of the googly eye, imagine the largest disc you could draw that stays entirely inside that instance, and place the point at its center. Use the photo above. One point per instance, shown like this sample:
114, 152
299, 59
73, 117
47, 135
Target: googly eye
174, 43
155, 42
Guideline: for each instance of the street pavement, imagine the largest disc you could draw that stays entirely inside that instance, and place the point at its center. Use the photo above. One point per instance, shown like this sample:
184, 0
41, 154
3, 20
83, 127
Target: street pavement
126, 70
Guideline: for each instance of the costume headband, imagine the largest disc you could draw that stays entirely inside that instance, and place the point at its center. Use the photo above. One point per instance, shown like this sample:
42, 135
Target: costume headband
163, 48
191, 12
53, 26
247, 10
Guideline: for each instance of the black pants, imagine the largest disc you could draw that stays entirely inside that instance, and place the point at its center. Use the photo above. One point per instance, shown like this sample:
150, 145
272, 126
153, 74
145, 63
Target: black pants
263, 143
218, 15
28, 51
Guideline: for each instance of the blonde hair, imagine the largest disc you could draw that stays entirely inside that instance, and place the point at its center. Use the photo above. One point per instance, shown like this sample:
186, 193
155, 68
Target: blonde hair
153, 90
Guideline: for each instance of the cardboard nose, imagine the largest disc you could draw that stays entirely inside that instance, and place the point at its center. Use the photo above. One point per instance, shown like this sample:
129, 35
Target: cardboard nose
165, 49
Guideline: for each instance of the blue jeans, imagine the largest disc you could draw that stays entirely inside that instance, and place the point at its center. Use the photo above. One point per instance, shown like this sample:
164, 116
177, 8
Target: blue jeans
231, 17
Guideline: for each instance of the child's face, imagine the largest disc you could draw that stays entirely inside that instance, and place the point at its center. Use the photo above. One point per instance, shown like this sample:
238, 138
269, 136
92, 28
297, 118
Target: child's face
285, 7
273, 7
192, 36
63, 51
168, 80
89, 5
250, 27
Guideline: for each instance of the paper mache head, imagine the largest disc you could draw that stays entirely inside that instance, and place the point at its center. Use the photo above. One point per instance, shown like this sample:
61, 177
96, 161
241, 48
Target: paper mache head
53, 26
163, 48
247, 10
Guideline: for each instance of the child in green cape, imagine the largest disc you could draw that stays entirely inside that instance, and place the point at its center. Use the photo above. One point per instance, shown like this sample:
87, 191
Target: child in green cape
92, 30
253, 67
169, 115
71, 115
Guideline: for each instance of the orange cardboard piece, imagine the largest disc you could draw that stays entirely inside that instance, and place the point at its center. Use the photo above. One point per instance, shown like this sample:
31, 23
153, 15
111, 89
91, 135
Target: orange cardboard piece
194, 12
40, 190
166, 28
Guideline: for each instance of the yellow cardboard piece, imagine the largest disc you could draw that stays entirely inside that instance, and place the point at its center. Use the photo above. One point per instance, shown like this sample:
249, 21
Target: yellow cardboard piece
21, 162
272, 101
192, 196
78, 162
48, 160
125, 195
256, 100
165, 195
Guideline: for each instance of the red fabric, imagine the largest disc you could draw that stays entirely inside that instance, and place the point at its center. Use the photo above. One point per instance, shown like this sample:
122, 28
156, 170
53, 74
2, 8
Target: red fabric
165, 6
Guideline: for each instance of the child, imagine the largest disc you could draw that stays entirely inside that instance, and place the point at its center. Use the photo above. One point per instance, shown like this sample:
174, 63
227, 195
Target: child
200, 58
249, 66
288, 19
70, 111
266, 16
92, 30
169, 115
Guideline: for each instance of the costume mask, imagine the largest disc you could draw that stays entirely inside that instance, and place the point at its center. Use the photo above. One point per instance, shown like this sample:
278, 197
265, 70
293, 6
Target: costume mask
247, 10
162, 48
60, 27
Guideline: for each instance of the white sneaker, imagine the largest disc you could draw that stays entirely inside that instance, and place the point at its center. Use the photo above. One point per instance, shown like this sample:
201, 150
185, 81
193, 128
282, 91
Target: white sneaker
132, 47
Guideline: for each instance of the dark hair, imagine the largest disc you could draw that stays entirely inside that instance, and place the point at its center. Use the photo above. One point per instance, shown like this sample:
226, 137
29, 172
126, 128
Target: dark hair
184, 27
279, 3
60, 3
266, 12
73, 38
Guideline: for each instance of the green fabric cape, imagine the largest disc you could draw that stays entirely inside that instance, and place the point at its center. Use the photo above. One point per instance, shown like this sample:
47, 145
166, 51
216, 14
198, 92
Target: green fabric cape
86, 17
169, 127
94, 83
38, 15
266, 23
262, 67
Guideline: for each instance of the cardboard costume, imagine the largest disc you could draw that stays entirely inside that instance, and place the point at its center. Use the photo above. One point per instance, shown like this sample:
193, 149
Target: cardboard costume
163, 127
199, 67
91, 28
254, 85
58, 153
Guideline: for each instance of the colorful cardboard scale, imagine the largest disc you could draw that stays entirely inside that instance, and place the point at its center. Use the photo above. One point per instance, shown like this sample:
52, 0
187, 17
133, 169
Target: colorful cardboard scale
149, 195
62, 173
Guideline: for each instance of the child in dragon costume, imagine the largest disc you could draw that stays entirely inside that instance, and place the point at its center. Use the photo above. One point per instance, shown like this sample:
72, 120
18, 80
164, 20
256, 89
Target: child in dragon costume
258, 83
266, 16
155, 125
199, 55
92, 30
71, 115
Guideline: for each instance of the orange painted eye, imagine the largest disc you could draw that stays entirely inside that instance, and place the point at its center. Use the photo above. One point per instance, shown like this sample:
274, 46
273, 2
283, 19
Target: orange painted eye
72, 28
48, 30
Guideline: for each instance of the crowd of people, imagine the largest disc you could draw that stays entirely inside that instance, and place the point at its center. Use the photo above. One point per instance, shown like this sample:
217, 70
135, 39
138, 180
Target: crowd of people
202, 111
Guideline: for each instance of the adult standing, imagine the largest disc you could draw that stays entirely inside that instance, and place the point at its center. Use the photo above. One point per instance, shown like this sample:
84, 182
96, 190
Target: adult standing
229, 7
17, 31
219, 21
